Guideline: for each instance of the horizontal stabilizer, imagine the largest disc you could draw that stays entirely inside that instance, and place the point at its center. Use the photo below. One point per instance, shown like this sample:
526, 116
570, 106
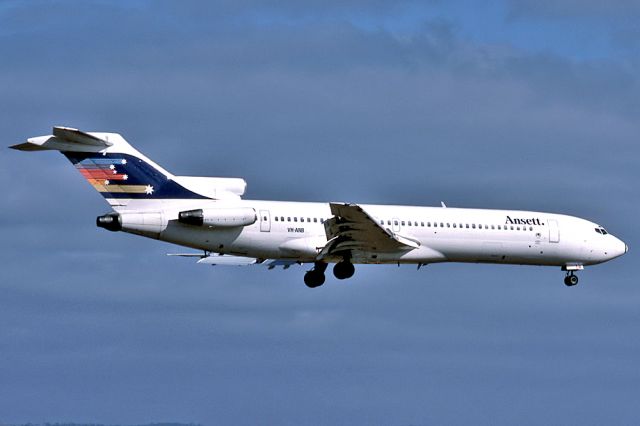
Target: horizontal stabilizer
69, 134
65, 139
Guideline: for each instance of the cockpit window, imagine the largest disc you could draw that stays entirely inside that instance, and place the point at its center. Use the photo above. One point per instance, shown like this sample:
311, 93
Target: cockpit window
601, 230
598, 231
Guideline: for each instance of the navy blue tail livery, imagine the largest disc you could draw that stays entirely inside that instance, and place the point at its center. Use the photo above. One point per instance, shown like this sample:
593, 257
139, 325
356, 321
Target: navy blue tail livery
117, 175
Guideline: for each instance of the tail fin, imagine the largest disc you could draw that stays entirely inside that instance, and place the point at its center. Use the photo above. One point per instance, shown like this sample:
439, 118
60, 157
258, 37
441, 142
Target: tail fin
120, 172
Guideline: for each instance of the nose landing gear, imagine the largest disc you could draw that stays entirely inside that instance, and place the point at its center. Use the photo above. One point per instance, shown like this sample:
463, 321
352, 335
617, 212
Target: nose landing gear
570, 279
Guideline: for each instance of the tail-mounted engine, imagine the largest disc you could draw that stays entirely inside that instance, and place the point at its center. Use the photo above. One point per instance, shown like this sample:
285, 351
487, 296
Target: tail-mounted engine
149, 224
219, 217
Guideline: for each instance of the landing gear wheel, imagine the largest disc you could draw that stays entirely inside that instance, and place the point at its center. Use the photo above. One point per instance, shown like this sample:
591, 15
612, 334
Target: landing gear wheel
343, 270
571, 280
314, 279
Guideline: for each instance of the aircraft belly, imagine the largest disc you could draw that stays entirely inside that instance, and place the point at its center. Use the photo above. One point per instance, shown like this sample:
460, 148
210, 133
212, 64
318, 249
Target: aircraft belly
496, 251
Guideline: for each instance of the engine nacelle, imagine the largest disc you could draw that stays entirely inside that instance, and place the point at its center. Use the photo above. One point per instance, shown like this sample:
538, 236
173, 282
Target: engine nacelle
220, 217
149, 224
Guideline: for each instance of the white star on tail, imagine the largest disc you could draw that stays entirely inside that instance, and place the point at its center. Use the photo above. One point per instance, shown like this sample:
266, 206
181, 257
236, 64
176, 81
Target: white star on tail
148, 190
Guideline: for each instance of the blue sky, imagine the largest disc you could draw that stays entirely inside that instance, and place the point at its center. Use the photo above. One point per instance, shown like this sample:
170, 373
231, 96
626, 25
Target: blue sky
497, 104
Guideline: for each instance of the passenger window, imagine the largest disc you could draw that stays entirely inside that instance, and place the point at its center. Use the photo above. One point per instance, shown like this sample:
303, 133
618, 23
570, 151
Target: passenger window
288, 219
422, 224
435, 224
473, 226
441, 225
467, 226
315, 220
448, 225
295, 219
388, 222
493, 227
302, 219
428, 224
531, 228
454, 225
409, 223
276, 218
395, 222
403, 223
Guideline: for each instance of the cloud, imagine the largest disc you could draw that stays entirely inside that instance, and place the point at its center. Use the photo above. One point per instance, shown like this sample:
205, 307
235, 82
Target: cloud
309, 104
571, 9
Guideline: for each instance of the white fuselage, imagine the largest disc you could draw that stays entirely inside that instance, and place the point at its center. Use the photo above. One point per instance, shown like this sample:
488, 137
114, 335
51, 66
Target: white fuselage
295, 230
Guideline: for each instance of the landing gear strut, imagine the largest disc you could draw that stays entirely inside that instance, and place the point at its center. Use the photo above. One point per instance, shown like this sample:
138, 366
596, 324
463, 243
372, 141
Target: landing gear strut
570, 279
343, 270
315, 277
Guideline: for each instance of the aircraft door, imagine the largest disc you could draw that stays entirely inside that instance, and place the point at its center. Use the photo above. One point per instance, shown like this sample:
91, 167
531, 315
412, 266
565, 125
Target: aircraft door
554, 231
395, 223
265, 221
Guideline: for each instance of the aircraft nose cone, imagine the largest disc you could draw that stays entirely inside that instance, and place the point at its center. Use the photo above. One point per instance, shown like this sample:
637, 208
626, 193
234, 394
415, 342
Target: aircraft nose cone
621, 248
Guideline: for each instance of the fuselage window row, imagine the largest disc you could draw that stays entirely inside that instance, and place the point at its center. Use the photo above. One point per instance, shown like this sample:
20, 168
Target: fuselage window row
295, 219
421, 223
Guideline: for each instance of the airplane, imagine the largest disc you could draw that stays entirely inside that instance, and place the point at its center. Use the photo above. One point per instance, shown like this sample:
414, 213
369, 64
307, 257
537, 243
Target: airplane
208, 214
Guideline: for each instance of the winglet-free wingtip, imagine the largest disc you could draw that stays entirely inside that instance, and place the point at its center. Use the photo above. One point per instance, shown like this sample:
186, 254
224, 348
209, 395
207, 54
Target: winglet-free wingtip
444, 206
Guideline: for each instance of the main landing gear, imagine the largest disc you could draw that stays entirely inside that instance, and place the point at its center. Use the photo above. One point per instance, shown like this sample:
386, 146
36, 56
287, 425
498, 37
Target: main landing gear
315, 277
570, 279
343, 270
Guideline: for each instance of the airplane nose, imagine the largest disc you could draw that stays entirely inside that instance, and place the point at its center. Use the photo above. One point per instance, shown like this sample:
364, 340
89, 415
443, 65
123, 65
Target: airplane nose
621, 247
615, 248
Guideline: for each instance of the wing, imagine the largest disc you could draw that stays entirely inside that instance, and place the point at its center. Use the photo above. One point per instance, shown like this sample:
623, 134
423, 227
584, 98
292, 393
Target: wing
353, 229
214, 259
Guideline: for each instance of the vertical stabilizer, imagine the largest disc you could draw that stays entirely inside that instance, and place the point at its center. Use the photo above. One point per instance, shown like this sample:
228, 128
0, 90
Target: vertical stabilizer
111, 165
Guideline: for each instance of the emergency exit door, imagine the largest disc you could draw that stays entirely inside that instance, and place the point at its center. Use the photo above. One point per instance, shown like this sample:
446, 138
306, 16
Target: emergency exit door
265, 221
554, 231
